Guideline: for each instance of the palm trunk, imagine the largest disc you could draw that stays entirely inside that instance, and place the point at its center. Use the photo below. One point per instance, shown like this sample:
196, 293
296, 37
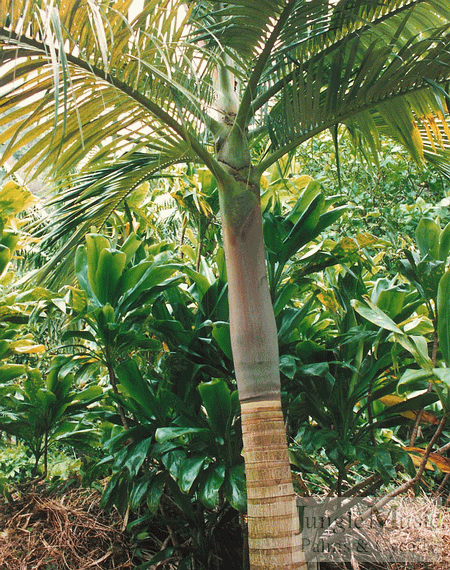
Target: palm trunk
273, 522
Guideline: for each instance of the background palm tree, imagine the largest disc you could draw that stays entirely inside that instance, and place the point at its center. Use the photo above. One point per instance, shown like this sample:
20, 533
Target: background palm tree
108, 103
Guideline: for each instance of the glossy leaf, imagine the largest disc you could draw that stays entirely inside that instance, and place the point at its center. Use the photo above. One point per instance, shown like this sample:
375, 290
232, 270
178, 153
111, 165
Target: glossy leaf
427, 238
138, 493
217, 401
189, 471
221, 334
110, 266
375, 315
444, 243
153, 277
130, 246
168, 433
131, 379
234, 488
95, 244
429, 273
301, 232
137, 455
443, 315
208, 492
155, 492
5, 256
413, 380
10, 371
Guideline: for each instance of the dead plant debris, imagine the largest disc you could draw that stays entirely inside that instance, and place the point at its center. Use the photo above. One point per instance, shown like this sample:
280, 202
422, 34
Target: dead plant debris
40, 531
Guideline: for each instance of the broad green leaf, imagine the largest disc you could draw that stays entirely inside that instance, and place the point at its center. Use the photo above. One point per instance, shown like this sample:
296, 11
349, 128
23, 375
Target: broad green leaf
208, 491
131, 276
443, 374
311, 192
189, 470
83, 335
46, 398
131, 379
10, 371
328, 218
221, 334
10, 239
289, 319
305, 225
130, 246
416, 348
95, 243
168, 433
383, 464
427, 238
154, 276
234, 488
391, 301
90, 393
173, 461
82, 273
288, 365
429, 273
110, 266
4, 348
137, 455
443, 316
284, 296
138, 493
201, 282
375, 315
413, 380
155, 492
5, 256
217, 401
444, 243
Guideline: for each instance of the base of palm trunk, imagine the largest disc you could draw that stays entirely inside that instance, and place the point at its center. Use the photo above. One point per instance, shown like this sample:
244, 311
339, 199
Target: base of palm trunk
273, 521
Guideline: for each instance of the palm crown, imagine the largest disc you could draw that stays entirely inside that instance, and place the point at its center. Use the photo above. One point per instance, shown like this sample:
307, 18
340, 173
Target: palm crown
111, 101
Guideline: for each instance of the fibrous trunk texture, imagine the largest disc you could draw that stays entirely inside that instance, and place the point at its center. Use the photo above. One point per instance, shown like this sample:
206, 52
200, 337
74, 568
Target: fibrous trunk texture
273, 521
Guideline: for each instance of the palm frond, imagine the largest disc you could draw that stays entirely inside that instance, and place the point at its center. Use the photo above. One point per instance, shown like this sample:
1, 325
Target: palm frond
90, 201
241, 26
370, 70
78, 72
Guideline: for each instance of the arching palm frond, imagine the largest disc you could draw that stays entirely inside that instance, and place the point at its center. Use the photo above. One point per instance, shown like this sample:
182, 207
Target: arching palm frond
88, 79
242, 26
90, 201
383, 69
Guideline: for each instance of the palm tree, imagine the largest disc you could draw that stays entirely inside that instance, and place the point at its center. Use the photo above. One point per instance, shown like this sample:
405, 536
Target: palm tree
109, 101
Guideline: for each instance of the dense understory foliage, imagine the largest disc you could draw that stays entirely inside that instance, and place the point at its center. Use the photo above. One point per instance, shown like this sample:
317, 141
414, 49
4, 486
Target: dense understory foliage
124, 375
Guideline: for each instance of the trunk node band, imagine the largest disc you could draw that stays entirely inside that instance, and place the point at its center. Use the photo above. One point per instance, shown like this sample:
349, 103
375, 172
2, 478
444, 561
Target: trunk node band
273, 518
